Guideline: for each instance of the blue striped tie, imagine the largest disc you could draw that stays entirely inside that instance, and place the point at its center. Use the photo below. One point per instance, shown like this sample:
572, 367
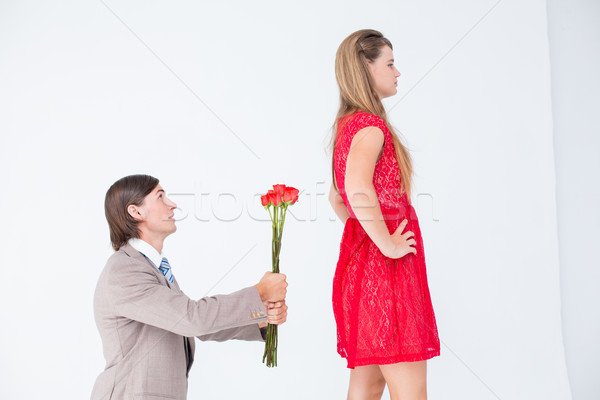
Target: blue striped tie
165, 268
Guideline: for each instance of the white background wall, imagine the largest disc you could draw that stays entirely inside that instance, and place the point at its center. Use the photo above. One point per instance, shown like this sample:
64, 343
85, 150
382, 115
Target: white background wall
574, 37
234, 97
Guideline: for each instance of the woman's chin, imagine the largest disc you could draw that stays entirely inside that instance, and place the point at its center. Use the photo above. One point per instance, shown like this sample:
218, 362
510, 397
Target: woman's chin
390, 94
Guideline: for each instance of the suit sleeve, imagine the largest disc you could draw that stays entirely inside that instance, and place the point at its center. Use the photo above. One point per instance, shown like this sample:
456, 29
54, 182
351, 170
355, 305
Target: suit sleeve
137, 294
248, 332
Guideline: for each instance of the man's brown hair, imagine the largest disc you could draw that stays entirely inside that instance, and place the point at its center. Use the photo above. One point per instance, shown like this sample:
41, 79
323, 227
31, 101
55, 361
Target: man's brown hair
129, 190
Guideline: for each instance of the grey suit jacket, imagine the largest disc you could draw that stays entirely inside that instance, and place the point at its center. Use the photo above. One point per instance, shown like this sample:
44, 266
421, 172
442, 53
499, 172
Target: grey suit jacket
147, 326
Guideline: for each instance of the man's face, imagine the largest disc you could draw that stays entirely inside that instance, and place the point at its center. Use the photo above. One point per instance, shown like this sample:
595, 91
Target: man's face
156, 213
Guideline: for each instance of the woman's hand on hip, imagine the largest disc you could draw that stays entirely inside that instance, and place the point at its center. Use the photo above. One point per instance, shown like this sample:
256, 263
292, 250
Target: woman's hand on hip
401, 243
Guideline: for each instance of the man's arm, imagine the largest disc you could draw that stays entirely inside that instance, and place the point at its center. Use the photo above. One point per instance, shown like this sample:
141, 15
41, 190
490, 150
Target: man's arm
276, 314
249, 333
138, 295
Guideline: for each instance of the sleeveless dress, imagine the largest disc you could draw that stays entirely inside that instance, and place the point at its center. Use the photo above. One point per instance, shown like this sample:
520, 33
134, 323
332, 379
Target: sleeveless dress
382, 306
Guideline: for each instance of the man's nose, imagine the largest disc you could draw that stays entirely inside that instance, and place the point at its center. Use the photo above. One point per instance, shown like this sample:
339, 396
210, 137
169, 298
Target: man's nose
171, 204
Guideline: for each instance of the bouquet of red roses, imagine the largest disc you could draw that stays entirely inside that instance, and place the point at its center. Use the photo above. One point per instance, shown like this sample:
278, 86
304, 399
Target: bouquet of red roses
278, 200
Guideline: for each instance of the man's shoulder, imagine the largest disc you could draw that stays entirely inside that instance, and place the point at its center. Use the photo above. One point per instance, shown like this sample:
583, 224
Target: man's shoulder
125, 258
124, 253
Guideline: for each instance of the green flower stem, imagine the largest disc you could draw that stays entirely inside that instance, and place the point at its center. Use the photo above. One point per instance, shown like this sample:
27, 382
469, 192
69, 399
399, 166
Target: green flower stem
272, 339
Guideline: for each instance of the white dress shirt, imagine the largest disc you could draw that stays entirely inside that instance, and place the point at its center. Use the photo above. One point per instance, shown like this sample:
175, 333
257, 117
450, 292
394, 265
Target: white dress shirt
148, 250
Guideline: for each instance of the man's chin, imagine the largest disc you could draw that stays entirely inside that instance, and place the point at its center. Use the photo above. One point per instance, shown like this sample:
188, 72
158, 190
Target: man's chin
172, 230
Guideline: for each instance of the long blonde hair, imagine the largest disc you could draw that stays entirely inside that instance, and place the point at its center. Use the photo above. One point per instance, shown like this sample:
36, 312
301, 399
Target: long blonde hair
357, 92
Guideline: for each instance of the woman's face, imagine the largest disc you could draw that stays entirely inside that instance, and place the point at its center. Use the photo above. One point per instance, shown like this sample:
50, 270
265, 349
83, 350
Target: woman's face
384, 73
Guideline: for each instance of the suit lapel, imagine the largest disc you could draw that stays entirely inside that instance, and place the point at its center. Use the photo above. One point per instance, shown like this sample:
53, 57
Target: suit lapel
133, 253
189, 343
176, 285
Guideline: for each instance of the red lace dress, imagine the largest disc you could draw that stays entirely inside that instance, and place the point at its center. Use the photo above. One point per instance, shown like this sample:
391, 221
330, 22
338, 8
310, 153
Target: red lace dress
382, 306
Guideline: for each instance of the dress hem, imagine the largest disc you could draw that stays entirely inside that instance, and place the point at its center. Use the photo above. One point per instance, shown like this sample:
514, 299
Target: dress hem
392, 360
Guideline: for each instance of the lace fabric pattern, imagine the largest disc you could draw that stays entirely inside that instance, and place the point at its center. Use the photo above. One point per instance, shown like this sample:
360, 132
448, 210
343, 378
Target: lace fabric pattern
382, 306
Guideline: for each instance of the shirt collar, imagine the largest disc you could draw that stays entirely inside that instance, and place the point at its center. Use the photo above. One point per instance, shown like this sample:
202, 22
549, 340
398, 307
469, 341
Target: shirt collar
146, 249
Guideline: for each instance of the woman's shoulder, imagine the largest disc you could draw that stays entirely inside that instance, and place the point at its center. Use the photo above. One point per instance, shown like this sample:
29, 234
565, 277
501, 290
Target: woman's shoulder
361, 119
365, 116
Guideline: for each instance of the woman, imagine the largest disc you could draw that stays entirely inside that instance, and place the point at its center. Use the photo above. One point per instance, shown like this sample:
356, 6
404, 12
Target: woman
386, 325
147, 324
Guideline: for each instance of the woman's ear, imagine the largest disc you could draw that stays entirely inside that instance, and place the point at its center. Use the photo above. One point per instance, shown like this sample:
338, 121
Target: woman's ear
137, 213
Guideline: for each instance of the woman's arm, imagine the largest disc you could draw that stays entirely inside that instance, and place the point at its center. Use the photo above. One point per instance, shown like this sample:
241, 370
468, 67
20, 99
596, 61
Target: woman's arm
360, 166
338, 204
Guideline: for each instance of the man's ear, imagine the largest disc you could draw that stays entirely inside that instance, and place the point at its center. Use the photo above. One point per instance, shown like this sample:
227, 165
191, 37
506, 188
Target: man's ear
137, 213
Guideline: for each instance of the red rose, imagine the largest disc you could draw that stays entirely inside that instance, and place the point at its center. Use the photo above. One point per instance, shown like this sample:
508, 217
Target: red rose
290, 195
279, 189
265, 200
274, 198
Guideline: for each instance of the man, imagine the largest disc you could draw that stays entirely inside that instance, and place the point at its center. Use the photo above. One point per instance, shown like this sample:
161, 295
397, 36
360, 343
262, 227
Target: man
147, 324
